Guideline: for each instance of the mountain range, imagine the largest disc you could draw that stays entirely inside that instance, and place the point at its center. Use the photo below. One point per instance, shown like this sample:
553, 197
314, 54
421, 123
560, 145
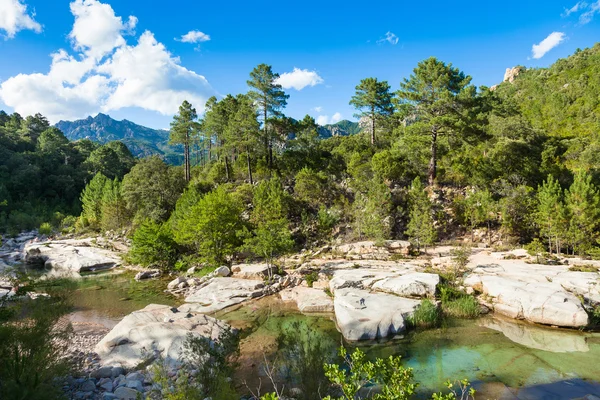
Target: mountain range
143, 141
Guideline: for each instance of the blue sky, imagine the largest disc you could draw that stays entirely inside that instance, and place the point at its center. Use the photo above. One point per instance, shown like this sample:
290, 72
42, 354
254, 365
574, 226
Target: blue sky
69, 59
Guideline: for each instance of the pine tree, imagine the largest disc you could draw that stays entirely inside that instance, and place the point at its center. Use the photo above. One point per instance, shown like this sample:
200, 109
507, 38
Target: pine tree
583, 204
184, 130
372, 212
115, 215
375, 98
270, 98
91, 200
480, 208
420, 227
243, 130
437, 97
551, 213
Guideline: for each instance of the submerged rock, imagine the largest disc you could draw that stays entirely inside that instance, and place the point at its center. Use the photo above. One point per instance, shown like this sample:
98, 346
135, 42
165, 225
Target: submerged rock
361, 315
154, 329
536, 337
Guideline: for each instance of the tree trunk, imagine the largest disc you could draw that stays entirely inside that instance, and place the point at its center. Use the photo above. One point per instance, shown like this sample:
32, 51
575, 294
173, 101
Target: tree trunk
226, 169
209, 149
187, 161
249, 165
433, 160
372, 125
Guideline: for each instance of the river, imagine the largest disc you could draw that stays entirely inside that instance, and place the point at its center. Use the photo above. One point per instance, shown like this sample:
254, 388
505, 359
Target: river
503, 358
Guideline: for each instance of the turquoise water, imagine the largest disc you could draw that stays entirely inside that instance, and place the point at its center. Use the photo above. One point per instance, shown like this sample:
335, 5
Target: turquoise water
504, 359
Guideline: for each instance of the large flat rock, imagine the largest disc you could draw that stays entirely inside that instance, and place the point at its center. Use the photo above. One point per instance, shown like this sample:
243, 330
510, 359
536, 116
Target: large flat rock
221, 293
154, 329
308, 300
72, 255
379, 316
250, 271
545, 294
415, 284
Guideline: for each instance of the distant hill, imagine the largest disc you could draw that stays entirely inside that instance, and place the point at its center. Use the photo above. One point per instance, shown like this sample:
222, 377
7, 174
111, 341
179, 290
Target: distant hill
141, 141
342, 128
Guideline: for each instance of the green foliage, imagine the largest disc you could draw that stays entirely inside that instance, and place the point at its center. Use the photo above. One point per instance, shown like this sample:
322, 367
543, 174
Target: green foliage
426, 315
420, 227
211, 226
583, 204
464, 306
151, 189
153, 244
305, 352
91, 200
34, 339
374, 99
311, 187
115, 215
184, 130
480, 208
551, 214
535, 248
395, 380
372, 212
517, 208
45, 229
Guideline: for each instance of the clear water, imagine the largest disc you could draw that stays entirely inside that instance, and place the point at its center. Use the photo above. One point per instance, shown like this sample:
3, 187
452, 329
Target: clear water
503, 358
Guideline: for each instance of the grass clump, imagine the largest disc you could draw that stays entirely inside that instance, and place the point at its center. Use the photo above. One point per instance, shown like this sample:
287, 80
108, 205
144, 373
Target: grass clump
463, 307
583, 268
427, 315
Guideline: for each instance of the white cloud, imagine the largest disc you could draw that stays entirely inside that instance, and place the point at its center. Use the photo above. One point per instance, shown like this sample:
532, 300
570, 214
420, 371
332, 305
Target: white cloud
107, 74
553, 40
587, 16
299, 79
577, 7
325, 119
389, 37
97, 30
194, 37
318, 109
14, 18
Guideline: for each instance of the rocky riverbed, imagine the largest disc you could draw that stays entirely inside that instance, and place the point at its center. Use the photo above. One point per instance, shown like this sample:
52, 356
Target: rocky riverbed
369, 292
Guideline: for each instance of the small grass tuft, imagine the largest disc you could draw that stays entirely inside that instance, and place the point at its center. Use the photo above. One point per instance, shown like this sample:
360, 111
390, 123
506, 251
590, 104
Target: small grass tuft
427, 315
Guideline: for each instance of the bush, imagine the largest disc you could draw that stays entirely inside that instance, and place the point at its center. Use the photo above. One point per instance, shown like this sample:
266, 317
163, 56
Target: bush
33, 344
153, 244
427, 315
45, 229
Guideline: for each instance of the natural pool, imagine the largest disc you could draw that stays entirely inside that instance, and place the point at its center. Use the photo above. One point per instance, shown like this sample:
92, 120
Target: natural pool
503, 358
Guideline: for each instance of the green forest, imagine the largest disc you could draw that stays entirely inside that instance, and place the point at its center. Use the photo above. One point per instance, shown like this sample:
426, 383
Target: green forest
437, 159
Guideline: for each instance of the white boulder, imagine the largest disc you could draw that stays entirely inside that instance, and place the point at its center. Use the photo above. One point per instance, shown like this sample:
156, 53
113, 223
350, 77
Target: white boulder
415, 284
154, 329
221, 293
71, 255
308, 300
361, 315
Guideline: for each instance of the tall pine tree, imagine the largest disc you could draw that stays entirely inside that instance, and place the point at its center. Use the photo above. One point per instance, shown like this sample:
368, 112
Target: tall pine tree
184, 130
583, 203
270, 98
374, 98
551, 213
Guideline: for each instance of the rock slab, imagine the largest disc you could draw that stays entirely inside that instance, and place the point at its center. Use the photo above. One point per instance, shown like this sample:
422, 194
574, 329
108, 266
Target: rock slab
221, 293
154, 330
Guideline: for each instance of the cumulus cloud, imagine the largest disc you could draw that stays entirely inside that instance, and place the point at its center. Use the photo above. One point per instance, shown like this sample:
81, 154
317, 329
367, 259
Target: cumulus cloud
194, 37
299, 79
325, 119
106, 73
389, 37
14, 18
318, 109
553, 40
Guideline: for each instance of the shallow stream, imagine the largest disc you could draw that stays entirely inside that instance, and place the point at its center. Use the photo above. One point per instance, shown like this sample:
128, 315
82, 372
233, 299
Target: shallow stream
504, 359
